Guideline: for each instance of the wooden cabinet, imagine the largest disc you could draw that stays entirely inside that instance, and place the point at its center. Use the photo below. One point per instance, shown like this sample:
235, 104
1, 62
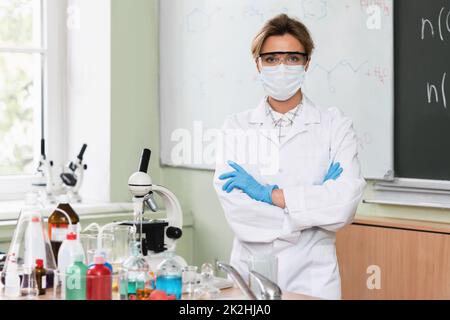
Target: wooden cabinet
413, 258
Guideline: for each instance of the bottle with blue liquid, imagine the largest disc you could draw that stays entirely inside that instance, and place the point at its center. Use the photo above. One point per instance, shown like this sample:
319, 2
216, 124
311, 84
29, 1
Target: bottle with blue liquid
169, 276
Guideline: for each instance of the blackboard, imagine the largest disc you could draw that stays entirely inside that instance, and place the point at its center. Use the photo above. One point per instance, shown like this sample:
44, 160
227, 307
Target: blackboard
422, 89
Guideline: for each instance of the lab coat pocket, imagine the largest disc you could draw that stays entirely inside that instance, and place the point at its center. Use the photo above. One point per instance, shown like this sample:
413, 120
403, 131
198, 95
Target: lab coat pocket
325, 279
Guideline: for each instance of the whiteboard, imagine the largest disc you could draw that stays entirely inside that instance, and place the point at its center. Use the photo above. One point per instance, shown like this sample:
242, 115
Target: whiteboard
207, 71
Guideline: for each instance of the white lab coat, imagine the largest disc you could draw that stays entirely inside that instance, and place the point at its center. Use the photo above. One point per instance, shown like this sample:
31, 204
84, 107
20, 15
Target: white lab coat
303, 235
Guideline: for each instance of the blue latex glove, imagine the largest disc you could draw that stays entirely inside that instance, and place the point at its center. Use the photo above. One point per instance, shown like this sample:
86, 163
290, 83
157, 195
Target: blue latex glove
240, 179
334, 172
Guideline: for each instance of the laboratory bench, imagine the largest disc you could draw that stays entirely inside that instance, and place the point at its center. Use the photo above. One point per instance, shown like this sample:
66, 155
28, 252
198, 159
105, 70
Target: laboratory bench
225, 294
89, 212
235, 293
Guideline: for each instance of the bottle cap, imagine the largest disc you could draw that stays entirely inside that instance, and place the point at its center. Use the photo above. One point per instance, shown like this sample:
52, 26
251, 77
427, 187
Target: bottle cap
71, 236
99, 259
39, 263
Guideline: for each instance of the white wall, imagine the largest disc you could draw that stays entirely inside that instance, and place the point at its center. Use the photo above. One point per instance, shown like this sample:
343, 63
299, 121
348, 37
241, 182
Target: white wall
89, 91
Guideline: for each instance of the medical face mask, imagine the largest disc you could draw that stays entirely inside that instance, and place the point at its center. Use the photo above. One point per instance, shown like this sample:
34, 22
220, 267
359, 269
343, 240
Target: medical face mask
282, 82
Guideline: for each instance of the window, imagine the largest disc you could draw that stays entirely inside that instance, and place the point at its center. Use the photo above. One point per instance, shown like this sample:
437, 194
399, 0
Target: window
30, 93
21, 60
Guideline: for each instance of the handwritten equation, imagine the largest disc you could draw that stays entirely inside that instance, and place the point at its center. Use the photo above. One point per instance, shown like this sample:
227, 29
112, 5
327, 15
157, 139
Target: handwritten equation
437, 28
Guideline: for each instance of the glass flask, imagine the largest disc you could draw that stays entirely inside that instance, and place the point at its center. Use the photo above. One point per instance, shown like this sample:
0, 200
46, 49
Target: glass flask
134, 275
169, 276
206, 290
30, 243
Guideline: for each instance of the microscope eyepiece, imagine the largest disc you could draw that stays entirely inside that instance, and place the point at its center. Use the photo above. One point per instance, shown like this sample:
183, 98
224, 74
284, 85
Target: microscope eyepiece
145, 160
43, 148
81, 154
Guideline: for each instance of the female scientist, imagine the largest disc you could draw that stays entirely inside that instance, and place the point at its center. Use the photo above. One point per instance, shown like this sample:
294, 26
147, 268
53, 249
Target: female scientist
291, 213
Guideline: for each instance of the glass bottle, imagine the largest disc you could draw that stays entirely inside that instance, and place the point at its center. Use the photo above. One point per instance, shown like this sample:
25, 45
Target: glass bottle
41, 277
75, 284
99, 280
169, 276
206, 290
134, 276
58, 225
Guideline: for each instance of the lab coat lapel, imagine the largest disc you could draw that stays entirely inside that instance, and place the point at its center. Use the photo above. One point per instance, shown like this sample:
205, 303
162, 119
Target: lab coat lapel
259, 120
308, 115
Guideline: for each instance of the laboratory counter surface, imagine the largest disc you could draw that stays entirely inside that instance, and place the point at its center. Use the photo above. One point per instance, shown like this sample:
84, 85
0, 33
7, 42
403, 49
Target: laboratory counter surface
225, 294
235, 293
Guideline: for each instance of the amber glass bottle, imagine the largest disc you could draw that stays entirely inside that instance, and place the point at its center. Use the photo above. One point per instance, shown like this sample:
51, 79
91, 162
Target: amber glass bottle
41, 277
58, 225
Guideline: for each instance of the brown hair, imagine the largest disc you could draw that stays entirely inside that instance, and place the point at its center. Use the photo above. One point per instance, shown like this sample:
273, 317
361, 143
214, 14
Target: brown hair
281, 25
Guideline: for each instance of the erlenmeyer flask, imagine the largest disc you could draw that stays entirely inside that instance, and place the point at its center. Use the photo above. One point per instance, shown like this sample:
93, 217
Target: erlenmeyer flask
34, 247
30, 241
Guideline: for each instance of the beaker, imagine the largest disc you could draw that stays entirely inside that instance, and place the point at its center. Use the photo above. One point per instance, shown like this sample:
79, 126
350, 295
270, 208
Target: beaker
29, 288
266, 265
118, 240
115, 243
89, 244
190, 280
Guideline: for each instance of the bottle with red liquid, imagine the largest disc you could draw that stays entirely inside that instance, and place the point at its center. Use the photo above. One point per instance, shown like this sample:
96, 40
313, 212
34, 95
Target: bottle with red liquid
99, 280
